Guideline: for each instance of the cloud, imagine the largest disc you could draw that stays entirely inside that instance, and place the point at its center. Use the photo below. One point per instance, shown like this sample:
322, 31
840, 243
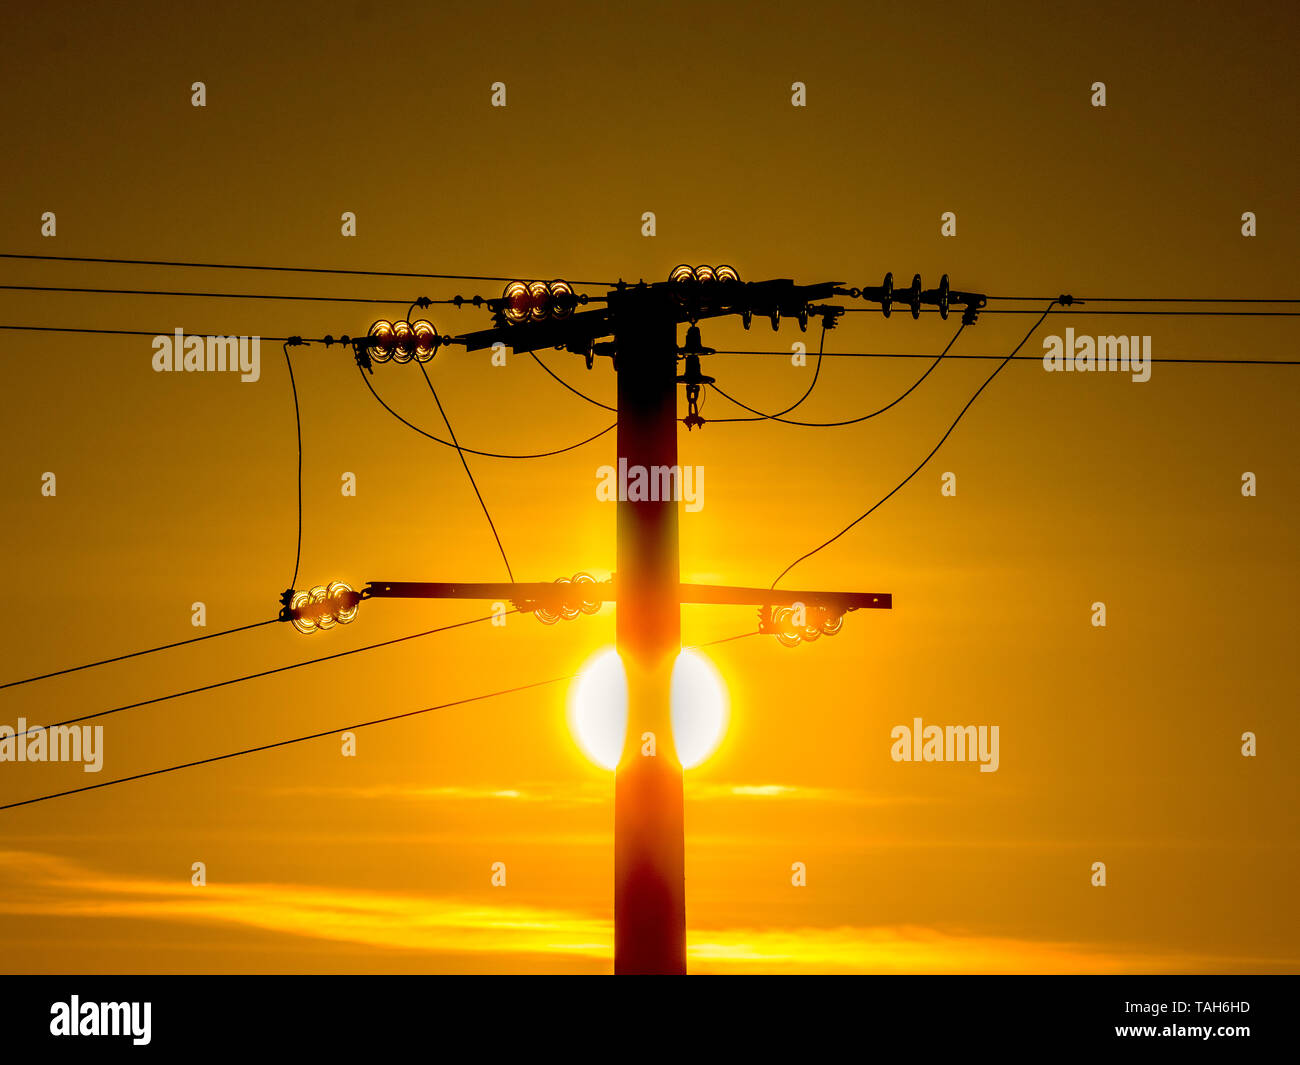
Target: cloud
55, 887
592, 793
719, 792
416, 793
917, 950
49, 886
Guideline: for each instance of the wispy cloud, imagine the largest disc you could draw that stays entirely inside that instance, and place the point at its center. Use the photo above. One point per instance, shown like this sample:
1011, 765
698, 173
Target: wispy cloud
47, 886
710, 791
554, 793
916, 950
571, 793
54, 887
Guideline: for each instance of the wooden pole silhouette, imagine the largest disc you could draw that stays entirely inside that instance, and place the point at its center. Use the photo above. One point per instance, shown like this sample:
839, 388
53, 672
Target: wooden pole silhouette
649, 831
649, 827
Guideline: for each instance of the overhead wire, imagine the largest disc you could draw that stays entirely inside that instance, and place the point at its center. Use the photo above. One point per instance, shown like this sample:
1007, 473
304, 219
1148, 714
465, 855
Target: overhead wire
464, 462
561, 380
137, 654
297, 418
283, 743
267, 672
998, 358
847, 421
321, 735
924, 461
280, 269
473, 451
760, 416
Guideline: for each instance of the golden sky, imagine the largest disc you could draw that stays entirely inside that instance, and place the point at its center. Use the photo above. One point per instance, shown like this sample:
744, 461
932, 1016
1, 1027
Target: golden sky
1118, 744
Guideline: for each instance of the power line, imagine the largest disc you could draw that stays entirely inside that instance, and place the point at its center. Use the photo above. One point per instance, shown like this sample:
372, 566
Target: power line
724, 639
470, 450
464, 462
849, 421
136, 654
210, 295
284, 743
821, 345
786, 354
267, 672
1163, 314
998, 358
928, 457
330, 732
1150, 299
561, 380
128, 332
278, 269
1075, 309
297, 417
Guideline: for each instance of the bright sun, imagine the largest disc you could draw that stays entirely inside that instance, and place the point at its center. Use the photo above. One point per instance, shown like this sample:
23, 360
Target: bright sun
598, 708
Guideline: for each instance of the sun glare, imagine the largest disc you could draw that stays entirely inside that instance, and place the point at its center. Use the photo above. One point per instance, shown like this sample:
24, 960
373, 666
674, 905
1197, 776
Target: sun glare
598, 708
699, 708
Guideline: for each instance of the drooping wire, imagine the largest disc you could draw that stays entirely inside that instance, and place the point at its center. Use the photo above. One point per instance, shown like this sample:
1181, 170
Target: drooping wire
297, 417
268, 672
928, 457
821, 349
852, 421
136, 654
561, 380
464, 462
470, 450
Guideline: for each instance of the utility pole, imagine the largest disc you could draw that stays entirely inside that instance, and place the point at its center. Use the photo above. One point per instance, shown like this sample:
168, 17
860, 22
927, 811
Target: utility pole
642, 319
649, 828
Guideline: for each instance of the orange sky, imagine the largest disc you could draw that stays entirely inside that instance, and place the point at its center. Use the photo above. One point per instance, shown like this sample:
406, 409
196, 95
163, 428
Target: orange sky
1118, 744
